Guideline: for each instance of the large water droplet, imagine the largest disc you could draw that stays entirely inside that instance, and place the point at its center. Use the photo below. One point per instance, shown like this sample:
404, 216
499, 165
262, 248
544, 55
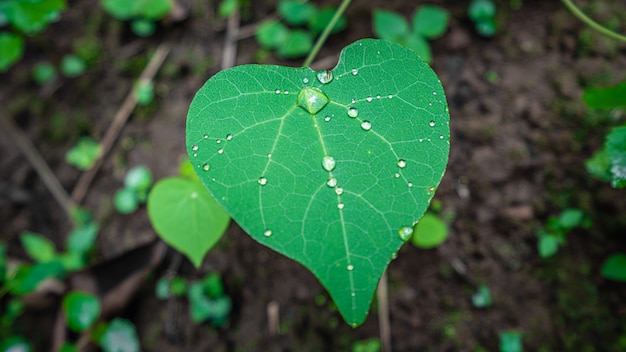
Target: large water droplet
262, 181
366, 125
206, 167
405, 233
328, 163
325, 76
353, 112
267, 233
194, 147
332, 182
312, 100
339, 191
402, 163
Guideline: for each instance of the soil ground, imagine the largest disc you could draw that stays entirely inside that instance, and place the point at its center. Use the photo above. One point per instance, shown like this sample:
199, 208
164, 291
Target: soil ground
519, 141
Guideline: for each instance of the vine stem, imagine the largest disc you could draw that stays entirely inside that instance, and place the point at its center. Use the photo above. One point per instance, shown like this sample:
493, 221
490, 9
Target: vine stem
591, 23
322, 38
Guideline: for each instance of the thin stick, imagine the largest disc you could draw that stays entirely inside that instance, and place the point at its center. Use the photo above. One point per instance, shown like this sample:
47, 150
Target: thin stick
382, 295
84, 182
38, 163
322, 38
229, 54
591, 23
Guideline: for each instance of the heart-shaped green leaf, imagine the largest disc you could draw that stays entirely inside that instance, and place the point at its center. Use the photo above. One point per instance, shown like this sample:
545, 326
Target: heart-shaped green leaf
330, 168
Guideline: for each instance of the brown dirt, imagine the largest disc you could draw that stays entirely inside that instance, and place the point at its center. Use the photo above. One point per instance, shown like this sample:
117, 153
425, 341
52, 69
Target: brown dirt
518, 147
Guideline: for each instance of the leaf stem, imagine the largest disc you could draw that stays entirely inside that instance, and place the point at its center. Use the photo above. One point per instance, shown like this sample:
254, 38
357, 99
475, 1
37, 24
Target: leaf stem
329, 27
591, 23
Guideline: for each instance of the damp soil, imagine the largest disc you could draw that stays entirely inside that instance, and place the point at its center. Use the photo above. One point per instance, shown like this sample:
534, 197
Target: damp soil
520, 135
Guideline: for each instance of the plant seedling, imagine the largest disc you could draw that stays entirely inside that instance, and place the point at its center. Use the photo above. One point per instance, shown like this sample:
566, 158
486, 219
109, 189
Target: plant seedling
330, 168
483, 14
84, 153
142, 13
73, 66
429, 22
614, 268
81, 310
137, 185
553, 235
44, 72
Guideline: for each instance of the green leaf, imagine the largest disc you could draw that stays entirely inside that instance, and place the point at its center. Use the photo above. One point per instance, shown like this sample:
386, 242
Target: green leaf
318, 23
38, 247
481, 10
73, 66
605, 97
482, 297
296, 12
419, 45
334, 189
81, 310
486, 28
31, 16
83, 154
120, 336
203, 308
28, 277
271, 34
126, 201
138, 179
143, 28
614, 268
44, 72
11, 50
298, 43
178, 286
548, 245
186, 217
599, 165
154, 9
429, 232
121, 9
616, 148
571, 218
186, 171
390, 26
511, 341
212, 285
227, 7
430, 21
15, 344
162, 288
82, 239
68, 347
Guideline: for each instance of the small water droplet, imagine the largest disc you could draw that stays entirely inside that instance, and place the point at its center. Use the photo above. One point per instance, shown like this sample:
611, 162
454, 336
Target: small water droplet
229, 137
220, 151
218, 141
434, 93
262, 181
332, 182
390, 96
194, 147
405, 233
353, 294
269, 155
325, 76
206, 167
206, 136
286, 92
431, 124
312, 100
378, 96
340, 206
369, 99
353, 112
277, 91
195, 155
397, 175
353, 101
267, 233
328, 163
442, 136
305, 80
402, 163
366, 125
339, 191
355, 72
194, 195
327, 118
410, 184
350, 267
431, 189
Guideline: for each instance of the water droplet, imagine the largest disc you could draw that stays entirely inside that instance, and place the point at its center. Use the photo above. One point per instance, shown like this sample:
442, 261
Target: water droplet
402, 163
327, 118
390, 96
305, 80
220, 151
277, 91
328, 163
194, 147
340, 206
410, 184
206, 167
350, 267
218, 141
195, 155
353, 101
355, 72
353, 112
434, 93
431, 189
339, 191
325, 76
267, 233
431, 124
405, 233
286, 92
369, 99
442, 136
366, 125
353, 294
269, 155
378, 96
262, 181
229, 137
194, 195
397, 175
332, 182
206, 136
312, 100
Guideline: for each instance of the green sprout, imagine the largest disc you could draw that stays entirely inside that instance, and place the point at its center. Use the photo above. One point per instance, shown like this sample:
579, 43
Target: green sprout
483, 14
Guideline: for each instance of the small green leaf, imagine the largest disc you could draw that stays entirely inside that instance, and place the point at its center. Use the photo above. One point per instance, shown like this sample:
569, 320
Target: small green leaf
429, 232
81, 310
178, 286
121, 9
481, 10
72, 261
227, 7
332, 189
30, 16
390, 26
73, 66
430, 21
318, 23
83, 154
571, 218
371, 345
486, 28
143, 28
82, 239
15, 344
38, 247
213, 286
126, 201
599, 165
298, 43
162, 288
144, 92
511, 341
614, 268
120, 336
296, 12
68, 347
616, 148
419, 45
271, 34
186, 217
154, 9
548, 245
186, 171
203, 308
138, 179
605, 97
44, 72
11, 50
482, 297
28, 277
